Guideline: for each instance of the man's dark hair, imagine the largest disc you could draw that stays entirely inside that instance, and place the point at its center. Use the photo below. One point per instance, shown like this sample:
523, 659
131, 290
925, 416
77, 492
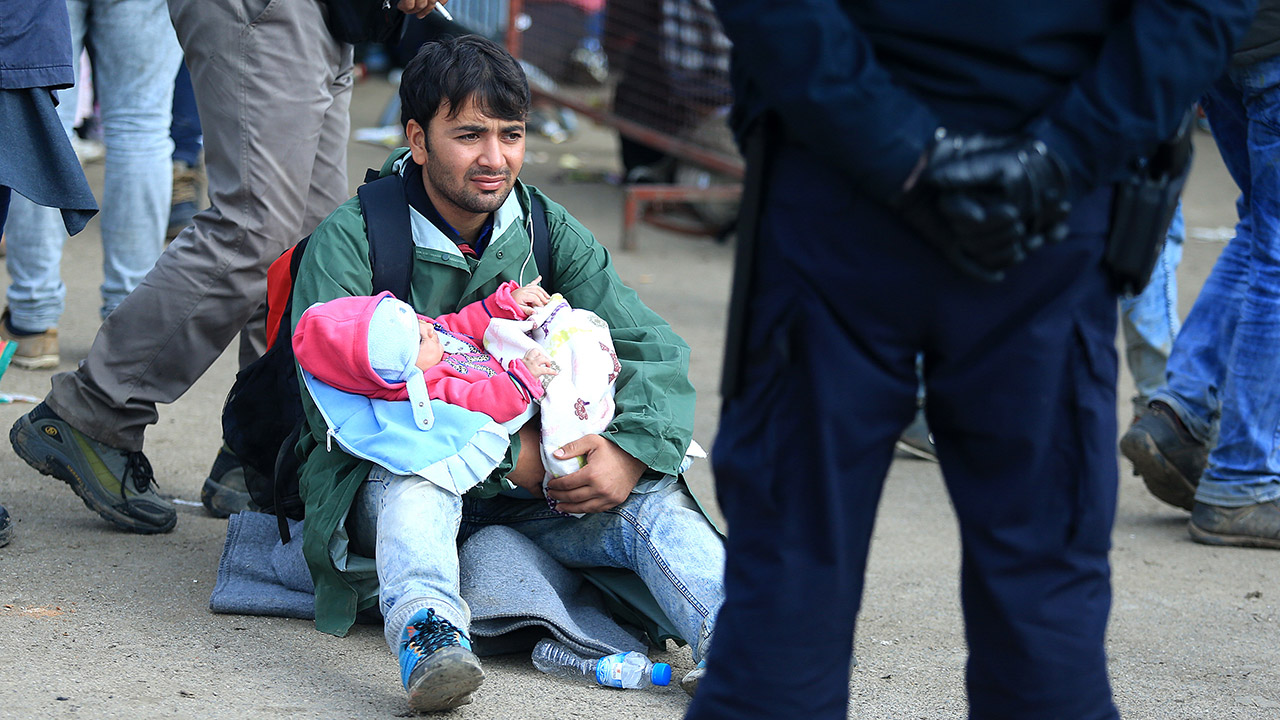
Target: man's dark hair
455, 69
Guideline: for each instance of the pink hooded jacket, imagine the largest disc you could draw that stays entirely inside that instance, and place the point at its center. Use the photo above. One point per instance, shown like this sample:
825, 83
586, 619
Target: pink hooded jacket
331, 342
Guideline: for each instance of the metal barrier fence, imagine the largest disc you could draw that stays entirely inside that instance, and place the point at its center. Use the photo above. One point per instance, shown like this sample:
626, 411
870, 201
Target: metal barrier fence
657, 71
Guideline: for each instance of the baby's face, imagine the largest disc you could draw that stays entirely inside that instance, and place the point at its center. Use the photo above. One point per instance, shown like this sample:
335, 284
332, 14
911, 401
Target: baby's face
429, 349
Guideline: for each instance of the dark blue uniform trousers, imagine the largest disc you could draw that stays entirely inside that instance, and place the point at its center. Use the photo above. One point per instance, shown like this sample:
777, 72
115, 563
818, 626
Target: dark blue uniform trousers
1022, 402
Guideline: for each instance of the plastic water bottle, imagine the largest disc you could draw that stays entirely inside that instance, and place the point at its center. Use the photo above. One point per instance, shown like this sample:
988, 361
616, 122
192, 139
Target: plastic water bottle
622, 670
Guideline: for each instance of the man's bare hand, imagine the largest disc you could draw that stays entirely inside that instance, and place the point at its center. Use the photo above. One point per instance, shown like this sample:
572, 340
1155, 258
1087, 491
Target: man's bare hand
604, 483
419, 8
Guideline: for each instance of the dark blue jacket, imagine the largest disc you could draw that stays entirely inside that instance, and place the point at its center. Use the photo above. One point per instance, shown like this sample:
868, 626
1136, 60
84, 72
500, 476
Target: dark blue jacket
867, 82
35, 45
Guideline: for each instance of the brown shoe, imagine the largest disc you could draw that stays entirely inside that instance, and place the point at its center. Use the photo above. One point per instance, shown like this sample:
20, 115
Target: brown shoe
35, 352
1249, 526
188, 184
1166, 455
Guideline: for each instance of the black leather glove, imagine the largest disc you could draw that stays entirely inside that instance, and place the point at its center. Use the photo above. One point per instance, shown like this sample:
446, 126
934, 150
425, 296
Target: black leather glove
985, 202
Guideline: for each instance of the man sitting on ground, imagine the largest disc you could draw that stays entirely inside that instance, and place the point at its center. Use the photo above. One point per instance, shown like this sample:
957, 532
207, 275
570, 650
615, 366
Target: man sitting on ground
464, 105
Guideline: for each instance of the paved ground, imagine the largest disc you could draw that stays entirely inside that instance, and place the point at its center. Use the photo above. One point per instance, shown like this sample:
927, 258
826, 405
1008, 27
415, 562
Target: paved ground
97, 623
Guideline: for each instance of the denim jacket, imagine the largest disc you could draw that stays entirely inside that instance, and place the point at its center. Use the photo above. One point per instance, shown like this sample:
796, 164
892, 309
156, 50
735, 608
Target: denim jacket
35, 45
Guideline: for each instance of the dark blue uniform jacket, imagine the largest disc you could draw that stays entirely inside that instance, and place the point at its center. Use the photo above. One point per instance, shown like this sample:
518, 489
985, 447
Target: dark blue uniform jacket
867, 82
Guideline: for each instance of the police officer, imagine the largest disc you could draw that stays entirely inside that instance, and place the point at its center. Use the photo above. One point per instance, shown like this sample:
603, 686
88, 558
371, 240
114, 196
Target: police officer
934, 177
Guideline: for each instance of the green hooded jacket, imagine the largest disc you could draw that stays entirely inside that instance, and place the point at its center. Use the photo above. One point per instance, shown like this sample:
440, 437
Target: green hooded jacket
655, 400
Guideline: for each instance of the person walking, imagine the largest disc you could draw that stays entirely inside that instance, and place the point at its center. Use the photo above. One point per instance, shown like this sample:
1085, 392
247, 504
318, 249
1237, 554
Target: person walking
273, 85
135, 56
1210, 442
38, 162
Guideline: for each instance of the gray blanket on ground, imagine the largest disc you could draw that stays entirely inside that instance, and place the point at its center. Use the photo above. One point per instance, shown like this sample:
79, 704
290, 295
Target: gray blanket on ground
516, 591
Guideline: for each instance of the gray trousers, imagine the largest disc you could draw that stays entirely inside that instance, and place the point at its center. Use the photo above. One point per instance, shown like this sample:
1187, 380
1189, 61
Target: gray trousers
274, 91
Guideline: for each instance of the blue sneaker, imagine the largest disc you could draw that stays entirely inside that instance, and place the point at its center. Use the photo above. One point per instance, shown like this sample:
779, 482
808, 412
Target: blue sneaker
437, 667
117, 484
6, 527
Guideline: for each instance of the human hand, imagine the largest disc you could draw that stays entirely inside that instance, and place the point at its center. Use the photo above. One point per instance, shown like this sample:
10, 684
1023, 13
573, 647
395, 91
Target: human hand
539, 363
608, 477
530, 296
986, 202
418, 8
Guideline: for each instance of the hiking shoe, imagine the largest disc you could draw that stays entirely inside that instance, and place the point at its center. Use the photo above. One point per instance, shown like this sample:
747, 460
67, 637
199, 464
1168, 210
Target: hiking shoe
187, 181
689, 683
1249, 526
225, 492
437, 667
916, 441
36, 351
116, 484
1166, 455
6, 527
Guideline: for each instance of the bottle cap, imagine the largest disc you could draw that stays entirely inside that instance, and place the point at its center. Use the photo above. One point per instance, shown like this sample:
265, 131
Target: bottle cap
661, 674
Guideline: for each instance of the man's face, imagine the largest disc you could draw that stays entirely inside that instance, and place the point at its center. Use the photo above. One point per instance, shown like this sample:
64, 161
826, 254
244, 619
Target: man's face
470, 160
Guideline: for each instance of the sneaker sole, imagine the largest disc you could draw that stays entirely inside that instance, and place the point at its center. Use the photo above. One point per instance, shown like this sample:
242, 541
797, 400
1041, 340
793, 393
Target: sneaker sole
1159, 475
1206, 537
40, 362
50, 465
447, 686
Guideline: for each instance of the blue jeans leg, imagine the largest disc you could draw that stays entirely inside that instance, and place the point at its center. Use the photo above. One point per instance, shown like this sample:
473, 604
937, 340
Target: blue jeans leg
135, 56
185, 128
416, 527
34, 238
661, 535
1244, 465
1149, 320
1222, 373
1198, 364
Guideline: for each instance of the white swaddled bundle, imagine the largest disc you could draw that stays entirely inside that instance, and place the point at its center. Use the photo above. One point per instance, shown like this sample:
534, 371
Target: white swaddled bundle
579, 398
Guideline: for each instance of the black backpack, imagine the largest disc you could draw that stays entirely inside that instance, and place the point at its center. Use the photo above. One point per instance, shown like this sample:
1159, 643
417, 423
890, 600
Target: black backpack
262, 417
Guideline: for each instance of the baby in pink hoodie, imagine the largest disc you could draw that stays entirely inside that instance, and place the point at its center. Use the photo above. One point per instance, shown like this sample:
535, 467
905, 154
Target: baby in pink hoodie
380, 348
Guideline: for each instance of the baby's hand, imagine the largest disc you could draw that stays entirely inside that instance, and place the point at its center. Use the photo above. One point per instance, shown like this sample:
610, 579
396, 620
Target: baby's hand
539, 363
530, 296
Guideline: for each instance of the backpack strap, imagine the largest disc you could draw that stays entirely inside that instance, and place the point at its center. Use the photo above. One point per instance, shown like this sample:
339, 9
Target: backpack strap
386, 217
542, 242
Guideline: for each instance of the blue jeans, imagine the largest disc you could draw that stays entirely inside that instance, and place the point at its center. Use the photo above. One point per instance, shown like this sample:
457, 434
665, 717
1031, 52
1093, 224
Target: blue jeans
1225, 362
1149, 320
135, 56
185, 128
658, 532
